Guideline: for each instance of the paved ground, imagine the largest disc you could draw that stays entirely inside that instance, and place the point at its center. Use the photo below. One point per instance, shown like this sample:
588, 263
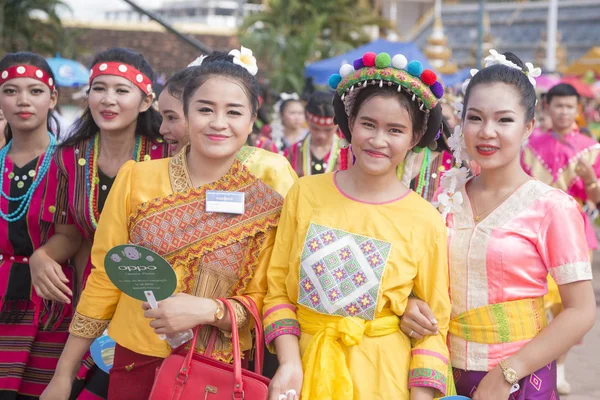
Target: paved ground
583, 367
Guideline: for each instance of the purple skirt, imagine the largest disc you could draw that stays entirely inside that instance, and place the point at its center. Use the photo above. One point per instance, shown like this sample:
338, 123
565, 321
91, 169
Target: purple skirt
540, 385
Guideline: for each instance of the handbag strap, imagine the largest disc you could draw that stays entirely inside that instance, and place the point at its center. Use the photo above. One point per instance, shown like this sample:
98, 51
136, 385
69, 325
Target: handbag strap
259, 345
238, 389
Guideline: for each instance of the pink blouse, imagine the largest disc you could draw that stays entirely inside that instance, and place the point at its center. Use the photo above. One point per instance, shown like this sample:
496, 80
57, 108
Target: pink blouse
507, 256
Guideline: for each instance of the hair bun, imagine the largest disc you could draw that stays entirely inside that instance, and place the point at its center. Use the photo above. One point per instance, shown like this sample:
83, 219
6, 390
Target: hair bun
513, 58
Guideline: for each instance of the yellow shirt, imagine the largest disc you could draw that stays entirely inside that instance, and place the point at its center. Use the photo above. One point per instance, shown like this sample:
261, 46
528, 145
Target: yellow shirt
132, 199
340, 267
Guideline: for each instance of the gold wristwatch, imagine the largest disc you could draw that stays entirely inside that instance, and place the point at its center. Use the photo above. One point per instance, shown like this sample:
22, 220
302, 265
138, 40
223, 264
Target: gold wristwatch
220, 311
509, 374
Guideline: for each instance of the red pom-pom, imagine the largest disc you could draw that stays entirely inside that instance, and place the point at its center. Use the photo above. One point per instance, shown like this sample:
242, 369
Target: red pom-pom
428, 77
369, 59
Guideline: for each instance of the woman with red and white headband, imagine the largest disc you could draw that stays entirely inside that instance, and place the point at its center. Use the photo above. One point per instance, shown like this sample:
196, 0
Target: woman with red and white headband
319, 151
119, 125
33, 329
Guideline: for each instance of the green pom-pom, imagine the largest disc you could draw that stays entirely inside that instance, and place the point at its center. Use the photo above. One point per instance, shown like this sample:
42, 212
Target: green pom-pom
383, 60
418, 149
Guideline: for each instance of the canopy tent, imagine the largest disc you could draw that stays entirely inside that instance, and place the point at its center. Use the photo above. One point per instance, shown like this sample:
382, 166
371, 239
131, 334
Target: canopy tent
320, 71
68, 73
589, 62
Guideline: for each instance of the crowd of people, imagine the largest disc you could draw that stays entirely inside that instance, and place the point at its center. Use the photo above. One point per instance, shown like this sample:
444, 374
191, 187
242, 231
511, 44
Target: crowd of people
399, 242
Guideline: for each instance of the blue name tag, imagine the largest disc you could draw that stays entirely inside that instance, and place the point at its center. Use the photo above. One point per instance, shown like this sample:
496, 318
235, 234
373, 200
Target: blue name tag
224, 202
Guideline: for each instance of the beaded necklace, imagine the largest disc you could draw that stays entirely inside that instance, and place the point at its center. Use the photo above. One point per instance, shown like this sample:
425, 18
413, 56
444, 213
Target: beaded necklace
424, 174
331, 162
91, 175
25, 199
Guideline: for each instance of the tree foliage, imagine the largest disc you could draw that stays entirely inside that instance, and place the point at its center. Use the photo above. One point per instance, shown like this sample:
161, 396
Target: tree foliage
32, 25
290, 33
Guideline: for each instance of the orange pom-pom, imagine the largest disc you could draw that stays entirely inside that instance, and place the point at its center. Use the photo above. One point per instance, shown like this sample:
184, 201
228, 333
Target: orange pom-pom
428, 77
369, 59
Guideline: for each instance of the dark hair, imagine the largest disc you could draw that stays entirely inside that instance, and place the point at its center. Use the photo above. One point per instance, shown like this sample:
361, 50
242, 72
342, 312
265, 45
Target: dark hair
510, 76
561, 90
26, 58
286, 103
445, 133
148, 122
417, 117
221, 64
176, 84
320, 104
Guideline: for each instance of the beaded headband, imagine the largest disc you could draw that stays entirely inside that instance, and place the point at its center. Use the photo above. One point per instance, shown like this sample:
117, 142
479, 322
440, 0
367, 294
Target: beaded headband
321, 121
381, 69
374, 69
123, 70
27, 71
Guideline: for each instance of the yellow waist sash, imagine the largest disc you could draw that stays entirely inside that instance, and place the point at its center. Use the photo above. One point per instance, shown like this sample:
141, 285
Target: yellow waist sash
507, 322
326, 374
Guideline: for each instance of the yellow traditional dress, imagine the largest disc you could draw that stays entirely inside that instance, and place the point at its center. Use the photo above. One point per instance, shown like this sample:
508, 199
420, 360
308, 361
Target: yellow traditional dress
340, 276
213, 254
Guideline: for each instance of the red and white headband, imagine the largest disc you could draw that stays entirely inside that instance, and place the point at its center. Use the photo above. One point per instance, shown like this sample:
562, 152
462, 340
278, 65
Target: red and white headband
322, 121
124, 70
26, 71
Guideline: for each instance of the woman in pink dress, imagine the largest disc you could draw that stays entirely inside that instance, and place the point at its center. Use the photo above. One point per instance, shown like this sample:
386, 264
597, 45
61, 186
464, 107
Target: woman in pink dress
507, 232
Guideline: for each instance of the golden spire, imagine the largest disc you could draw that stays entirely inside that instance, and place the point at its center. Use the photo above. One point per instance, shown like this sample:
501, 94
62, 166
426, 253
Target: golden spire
437, 50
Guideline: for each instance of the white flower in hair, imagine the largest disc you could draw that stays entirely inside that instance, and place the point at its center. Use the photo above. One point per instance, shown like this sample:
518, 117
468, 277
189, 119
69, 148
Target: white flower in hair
456, 142
197, 62
497, 58
289, 96
458, 109
451, 201
456, 176
465, 84
532, 73
245, 59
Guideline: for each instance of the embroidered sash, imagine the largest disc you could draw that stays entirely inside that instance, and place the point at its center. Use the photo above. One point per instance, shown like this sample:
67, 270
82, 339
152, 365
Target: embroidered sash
507, 322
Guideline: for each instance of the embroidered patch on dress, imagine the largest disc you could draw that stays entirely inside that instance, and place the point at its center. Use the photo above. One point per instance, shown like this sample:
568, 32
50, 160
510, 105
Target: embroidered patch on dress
340, 272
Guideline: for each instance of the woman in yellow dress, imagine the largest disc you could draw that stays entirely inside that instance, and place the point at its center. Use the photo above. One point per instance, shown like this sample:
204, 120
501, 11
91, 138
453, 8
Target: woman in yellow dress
351, 246
161, 205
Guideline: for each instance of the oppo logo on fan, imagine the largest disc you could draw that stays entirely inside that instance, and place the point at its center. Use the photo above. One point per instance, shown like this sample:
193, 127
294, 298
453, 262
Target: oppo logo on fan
132, 268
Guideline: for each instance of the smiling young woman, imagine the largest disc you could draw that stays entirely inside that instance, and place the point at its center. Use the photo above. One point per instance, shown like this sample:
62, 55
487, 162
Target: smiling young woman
507, 232
118, 125
33, 329
220, 101
352, 246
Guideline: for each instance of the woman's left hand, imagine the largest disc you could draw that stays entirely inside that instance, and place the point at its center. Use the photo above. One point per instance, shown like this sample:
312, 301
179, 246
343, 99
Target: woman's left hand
493, 386
179, 313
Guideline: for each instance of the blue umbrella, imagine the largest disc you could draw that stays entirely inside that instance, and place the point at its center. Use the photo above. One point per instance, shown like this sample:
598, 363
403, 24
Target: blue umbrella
69, 73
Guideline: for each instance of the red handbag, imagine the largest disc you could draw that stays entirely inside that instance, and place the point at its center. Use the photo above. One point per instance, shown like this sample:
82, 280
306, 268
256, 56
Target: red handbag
195, 376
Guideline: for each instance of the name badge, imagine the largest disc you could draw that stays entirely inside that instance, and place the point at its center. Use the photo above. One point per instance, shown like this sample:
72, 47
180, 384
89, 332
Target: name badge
224, 202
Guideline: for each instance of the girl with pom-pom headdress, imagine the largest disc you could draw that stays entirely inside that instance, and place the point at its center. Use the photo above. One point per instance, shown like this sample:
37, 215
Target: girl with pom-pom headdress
354, 244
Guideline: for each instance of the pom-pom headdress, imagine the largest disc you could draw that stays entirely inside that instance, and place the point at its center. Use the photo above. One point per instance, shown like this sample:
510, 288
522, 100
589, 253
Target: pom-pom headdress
381, 69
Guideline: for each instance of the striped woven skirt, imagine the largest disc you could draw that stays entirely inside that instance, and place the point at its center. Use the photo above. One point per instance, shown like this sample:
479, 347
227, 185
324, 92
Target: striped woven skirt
28, 356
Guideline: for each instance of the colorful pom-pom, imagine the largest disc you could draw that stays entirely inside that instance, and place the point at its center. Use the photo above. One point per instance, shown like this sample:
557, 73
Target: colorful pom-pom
369, 59
383, 60
414, 68
346, 70
334, 80
399, 61
428, 77
358, 64
437, 89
